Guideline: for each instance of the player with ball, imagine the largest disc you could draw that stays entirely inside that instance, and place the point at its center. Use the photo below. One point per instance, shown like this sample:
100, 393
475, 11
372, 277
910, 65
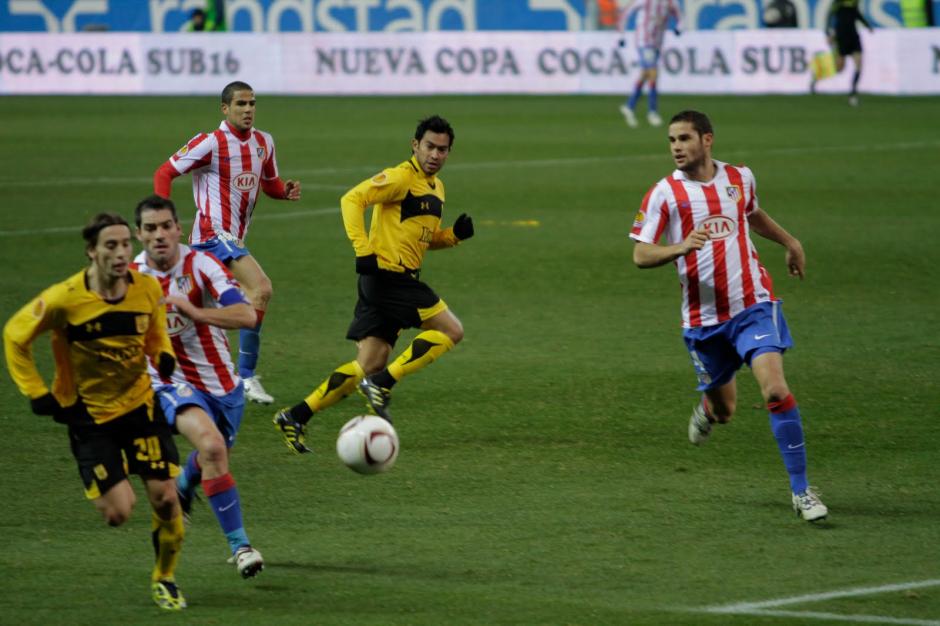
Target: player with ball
408, 205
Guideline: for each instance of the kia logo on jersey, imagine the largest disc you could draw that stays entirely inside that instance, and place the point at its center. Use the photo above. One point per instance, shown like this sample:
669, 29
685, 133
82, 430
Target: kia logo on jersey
246, 181
719, 226
176, 323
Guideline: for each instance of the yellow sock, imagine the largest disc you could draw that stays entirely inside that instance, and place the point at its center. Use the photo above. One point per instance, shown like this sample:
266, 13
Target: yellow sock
424, 349
337, 386
167, 543
823, 65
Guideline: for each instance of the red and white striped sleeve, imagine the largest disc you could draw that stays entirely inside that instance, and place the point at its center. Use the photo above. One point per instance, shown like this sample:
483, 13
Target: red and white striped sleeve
652, 218
195, 154
217, 280
625, 16
750, 190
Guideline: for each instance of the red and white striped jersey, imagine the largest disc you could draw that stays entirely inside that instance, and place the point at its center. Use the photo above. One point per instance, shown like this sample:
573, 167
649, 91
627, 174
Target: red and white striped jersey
227, 173
725, 277
652, 18
202, 351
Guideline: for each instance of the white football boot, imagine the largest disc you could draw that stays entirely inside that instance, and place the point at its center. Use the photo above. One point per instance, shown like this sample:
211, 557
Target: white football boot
699, 426
653, 118
255, 392
808, 506
628, 116
247, 561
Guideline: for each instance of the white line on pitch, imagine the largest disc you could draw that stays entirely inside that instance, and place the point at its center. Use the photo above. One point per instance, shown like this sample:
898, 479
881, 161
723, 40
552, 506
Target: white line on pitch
818, 597
116, 180
839, 617
264, 216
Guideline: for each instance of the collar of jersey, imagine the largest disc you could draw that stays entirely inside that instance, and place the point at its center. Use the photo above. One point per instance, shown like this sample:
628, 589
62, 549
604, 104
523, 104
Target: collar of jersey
680, 175
243, 135
414, 163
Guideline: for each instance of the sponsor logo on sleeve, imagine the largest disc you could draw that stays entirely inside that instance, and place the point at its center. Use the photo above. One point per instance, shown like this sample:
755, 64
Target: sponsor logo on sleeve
142, 322
39, 308
182, 151
379, 179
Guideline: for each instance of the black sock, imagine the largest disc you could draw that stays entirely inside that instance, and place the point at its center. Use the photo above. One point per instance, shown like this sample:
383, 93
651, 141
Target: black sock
301, 413
383, 379
855, 78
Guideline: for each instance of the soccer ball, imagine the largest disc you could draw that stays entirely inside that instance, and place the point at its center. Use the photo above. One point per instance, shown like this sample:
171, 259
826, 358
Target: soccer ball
367, 444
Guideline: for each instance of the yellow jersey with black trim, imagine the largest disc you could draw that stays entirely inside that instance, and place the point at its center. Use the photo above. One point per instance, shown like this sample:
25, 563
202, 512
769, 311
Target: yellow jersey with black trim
100, 347
406, 216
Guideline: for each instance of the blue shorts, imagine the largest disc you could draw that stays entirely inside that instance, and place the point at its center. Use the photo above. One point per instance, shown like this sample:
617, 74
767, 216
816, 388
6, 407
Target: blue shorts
648, 57
225, 247
226, 411
719, 351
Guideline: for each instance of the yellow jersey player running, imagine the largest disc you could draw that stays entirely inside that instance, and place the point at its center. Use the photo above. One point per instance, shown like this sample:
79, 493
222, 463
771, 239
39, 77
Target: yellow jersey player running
106, 321
408, 204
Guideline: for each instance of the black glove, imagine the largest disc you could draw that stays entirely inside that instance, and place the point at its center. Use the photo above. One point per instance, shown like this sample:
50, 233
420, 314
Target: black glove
463, 227
166, 364
622, 42
368, 264
45, 405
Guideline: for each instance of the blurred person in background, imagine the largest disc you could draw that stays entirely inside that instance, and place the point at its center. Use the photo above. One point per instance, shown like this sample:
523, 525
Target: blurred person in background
652, 19
780, 14
842, 33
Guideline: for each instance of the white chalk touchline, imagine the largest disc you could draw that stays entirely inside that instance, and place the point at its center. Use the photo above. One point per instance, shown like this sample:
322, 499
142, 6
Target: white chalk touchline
767, 608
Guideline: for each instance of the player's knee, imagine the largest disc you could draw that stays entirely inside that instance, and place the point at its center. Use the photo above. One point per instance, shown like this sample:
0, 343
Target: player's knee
373, 363
265, 290
116, 515
454, 331
212, 451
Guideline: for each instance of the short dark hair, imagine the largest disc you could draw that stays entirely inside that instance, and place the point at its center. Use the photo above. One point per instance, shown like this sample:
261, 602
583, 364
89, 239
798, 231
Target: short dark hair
435, 124
698, 120
99, 223
154, 203
229, 92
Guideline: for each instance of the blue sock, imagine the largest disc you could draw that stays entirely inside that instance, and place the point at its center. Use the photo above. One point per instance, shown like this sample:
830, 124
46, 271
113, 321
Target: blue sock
788, 431
223, 498
637, 90
190, 477
654, 97
249, 345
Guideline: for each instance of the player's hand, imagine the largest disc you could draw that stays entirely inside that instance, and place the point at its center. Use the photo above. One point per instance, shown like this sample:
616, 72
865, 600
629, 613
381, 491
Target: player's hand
695, 240
46, 405
368, 264
796, 259
166, 363
463, 227
292, 190
185, 306
622, 42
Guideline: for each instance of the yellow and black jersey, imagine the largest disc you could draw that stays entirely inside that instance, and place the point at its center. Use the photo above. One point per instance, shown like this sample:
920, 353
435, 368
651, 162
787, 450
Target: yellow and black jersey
406, 218
100, 347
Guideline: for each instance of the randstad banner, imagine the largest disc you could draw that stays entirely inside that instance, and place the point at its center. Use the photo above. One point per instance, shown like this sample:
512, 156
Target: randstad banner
764, 61
273, 16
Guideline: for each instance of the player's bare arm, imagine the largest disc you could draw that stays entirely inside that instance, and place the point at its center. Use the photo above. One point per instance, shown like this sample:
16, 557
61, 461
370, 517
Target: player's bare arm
648, 255
765, 226
230, 317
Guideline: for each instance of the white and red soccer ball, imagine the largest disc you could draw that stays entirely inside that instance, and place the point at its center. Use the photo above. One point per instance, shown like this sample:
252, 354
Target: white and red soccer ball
367, 444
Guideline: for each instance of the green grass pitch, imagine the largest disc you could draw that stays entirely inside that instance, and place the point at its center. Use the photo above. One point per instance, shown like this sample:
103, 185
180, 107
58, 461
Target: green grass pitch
545, 475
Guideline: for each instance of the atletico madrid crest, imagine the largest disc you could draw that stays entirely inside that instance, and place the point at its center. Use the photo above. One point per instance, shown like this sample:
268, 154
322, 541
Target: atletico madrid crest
734, 192
261, 153
184, 283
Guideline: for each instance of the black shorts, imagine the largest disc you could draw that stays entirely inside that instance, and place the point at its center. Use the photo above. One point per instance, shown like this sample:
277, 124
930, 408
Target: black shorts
390, 302
847, 39
135, 443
